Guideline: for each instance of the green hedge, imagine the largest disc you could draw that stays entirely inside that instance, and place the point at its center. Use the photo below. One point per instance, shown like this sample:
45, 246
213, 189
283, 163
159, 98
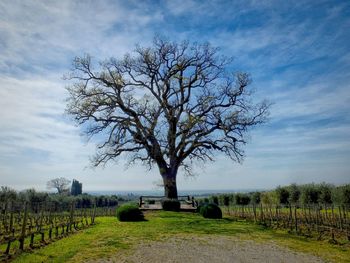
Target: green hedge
210, 211
171, 205
129, 213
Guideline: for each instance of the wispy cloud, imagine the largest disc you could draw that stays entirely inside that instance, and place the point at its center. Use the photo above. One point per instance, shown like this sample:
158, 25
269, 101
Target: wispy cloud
44, 35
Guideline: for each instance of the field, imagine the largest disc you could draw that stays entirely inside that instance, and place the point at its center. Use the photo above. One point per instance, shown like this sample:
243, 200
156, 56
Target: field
114, 240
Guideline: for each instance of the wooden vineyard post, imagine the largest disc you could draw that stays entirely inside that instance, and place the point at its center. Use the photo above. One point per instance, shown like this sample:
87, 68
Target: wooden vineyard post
11, 231
50, 223
0, 223
82, 217
296, 219
270, 210
93, 214
24, 223
317, 222
290, 218
4, 218
42, 233
346, 209
346, 221
320, 220
56, 231
254, 210
340, 219
71, 216
310, 218
31, 244
11, 217
86, 217
305, 218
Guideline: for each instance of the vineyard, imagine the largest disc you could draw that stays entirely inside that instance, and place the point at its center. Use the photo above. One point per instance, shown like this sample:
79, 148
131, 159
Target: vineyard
27, 225
323, 221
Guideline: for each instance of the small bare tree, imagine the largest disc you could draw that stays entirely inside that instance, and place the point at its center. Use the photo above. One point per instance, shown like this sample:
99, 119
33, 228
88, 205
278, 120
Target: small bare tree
169, 105
61, 184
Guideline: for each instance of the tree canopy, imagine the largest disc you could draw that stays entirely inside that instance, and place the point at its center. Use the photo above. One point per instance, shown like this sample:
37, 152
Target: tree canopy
169, 104
76, 188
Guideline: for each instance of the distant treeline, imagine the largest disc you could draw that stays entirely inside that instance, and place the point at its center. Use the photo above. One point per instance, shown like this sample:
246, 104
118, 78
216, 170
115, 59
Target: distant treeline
61, 201
307, 194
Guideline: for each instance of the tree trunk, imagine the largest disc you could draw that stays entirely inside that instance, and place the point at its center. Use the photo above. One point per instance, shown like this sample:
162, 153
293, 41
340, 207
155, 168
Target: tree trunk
170, 188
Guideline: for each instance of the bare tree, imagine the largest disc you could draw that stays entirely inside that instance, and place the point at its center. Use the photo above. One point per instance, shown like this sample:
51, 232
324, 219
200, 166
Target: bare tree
169, 105
61, 184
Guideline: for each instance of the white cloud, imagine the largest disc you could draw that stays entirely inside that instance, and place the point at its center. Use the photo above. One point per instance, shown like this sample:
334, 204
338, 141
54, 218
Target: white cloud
40, 34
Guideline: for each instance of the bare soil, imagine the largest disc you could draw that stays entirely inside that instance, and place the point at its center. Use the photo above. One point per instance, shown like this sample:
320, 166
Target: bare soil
210, 249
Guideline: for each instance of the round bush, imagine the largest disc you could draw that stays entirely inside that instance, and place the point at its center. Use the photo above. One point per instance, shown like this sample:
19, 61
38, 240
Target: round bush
171, 205
199, 207
210, 211
129, 213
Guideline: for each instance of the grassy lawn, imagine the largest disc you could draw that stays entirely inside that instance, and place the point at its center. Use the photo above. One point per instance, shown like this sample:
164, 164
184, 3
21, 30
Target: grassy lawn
109, 236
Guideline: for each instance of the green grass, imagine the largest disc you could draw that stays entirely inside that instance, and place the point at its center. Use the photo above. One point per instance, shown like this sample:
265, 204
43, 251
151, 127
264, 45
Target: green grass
109, 236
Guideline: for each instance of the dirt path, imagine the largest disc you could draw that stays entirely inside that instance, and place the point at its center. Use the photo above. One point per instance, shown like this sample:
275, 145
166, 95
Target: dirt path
211, 249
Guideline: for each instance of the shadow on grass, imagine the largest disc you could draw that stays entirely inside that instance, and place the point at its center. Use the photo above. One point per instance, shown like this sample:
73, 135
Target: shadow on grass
133, 220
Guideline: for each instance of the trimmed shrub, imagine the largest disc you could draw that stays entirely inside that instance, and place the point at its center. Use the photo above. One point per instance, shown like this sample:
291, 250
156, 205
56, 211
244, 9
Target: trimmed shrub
129, 213
199, 207
210, 211
171, 205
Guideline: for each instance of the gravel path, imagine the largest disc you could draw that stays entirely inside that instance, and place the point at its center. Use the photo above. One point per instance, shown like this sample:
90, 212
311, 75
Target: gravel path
211, 249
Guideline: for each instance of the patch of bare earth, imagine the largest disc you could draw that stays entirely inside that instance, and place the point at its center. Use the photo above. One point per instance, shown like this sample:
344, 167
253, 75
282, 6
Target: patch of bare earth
210, 249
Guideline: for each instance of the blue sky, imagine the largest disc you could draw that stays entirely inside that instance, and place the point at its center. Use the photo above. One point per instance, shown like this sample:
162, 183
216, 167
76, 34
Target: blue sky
298, 55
